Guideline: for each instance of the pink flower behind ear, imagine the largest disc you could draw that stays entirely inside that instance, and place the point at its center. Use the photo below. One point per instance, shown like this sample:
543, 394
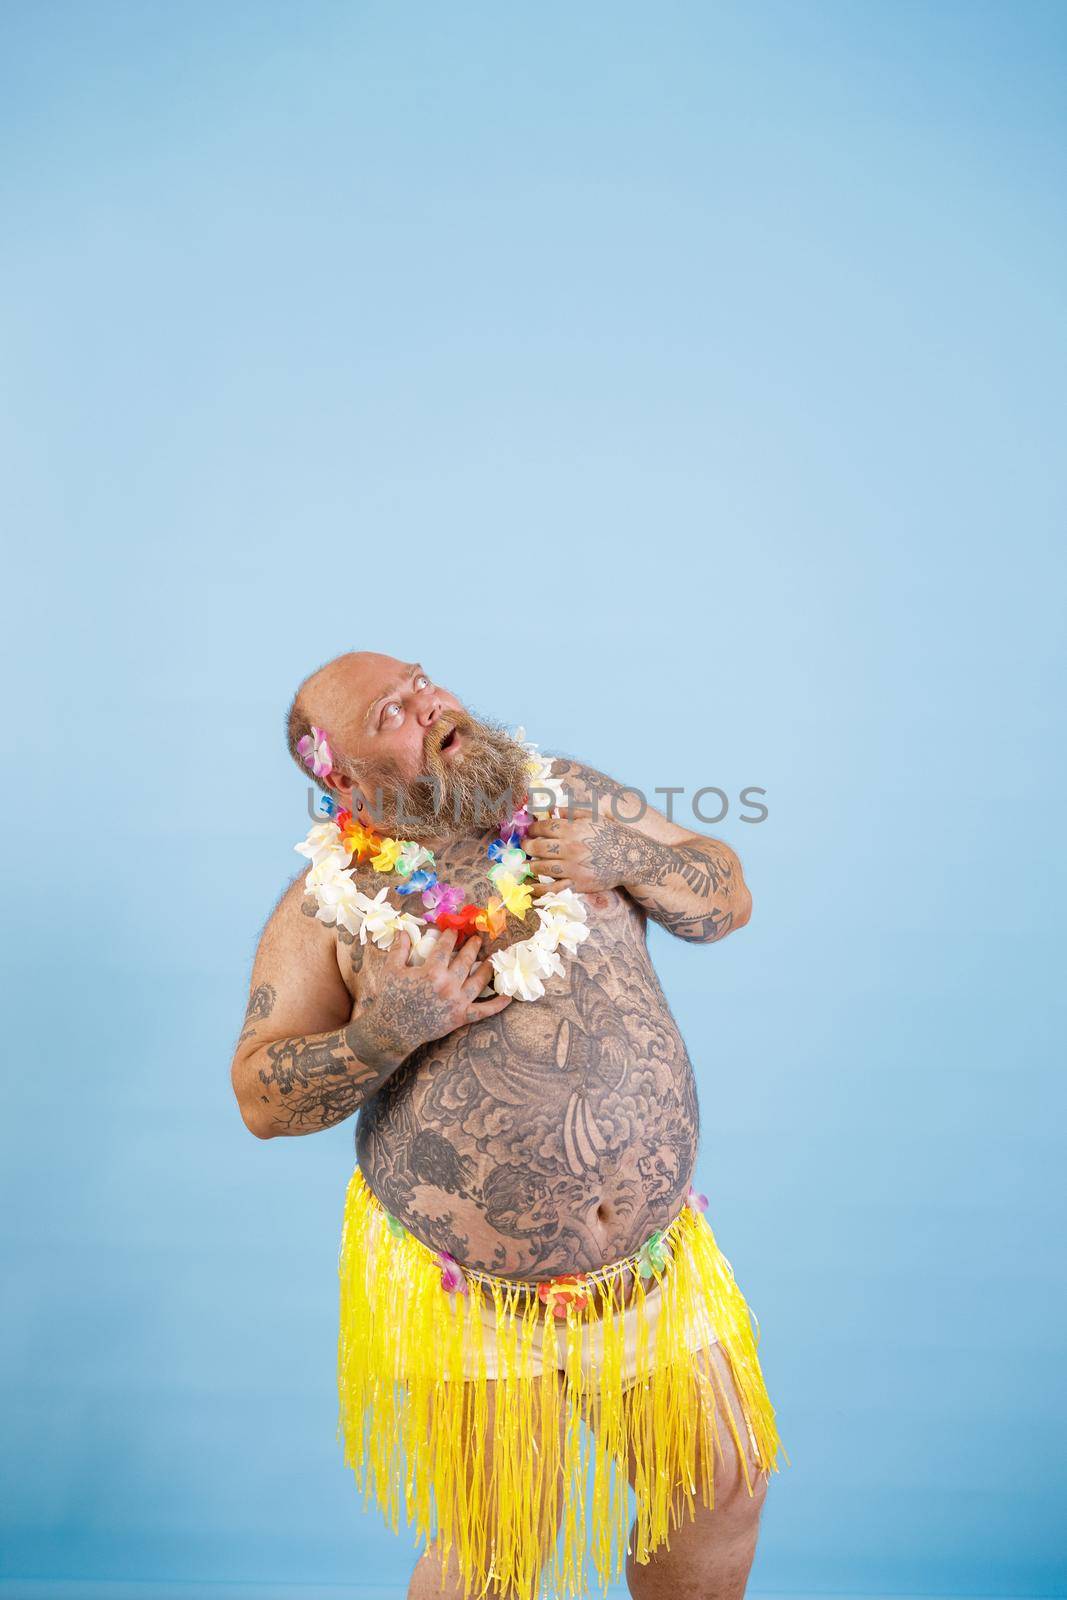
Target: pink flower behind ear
314, 751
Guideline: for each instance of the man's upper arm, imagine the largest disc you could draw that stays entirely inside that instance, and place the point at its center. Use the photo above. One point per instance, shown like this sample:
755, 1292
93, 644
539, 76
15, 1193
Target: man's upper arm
296, 988
582, 782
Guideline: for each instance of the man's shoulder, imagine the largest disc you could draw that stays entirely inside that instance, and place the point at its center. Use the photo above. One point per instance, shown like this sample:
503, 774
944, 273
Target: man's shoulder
293, 901
294, 917
581, 780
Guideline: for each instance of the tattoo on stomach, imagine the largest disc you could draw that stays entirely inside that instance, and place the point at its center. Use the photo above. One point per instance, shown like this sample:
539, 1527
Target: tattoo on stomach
498, 1142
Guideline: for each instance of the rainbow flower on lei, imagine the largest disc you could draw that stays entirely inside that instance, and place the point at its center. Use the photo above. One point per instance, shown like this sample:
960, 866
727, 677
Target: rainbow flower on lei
653, 1254
569, 1289
452, 1275
521, 970
389, 852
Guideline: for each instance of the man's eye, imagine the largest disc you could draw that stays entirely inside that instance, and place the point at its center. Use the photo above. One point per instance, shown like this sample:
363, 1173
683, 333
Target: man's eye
392, 709
422, 682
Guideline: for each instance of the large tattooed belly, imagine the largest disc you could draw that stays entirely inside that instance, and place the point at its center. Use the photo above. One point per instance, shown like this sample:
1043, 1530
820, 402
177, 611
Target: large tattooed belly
553, 1137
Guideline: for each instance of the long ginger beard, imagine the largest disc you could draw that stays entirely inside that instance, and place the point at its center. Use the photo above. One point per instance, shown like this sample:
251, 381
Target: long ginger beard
469, 792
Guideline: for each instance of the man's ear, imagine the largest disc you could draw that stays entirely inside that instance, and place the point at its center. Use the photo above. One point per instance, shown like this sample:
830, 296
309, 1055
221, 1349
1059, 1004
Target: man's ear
351, 797
342, 790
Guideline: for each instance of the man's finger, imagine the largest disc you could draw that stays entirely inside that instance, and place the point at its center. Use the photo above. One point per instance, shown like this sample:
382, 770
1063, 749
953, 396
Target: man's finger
544, 828
539, 829
544, 847
443, 947
480, 1009
467, 954
399, 950
547, 867
478, 978
564, 817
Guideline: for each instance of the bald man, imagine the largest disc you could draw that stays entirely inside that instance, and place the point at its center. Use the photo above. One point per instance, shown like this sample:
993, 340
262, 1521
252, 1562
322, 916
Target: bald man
524, 1140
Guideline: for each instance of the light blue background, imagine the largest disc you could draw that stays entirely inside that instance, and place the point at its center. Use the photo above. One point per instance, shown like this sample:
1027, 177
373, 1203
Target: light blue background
686, 382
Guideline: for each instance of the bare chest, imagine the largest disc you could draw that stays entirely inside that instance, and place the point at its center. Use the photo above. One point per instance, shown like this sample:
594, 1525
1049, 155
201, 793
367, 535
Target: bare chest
613, 918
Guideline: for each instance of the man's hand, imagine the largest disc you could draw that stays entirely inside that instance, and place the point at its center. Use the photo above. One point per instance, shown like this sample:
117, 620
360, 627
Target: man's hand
586, 853
400, 1007
691, 885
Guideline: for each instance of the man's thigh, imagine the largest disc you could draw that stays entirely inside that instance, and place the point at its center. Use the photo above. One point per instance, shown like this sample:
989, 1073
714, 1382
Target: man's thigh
720, 1428
509, 1465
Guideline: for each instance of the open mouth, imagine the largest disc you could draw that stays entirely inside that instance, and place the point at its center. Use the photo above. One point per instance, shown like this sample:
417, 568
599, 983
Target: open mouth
449, 742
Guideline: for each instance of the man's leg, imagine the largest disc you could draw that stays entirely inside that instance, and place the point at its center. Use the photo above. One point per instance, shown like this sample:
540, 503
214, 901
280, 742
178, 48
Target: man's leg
430, 1580
709, 1558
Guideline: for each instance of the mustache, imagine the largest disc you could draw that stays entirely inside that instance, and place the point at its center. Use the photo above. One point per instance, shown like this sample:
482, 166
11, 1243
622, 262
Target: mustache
448, 722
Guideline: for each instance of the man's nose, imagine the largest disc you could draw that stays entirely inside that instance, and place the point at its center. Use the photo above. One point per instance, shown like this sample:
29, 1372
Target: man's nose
429, 708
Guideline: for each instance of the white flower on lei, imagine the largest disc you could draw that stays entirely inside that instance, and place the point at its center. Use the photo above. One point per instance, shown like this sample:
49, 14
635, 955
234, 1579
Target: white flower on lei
324, 872
563, 921
323, 843
521, 969
546, 792
382, 922
339, 902
421, 947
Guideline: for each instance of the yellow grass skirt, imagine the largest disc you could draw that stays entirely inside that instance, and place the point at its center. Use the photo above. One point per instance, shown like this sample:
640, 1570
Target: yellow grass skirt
413, 1422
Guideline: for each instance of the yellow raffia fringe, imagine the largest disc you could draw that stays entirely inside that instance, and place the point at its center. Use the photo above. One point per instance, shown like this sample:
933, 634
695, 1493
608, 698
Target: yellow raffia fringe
415, 1409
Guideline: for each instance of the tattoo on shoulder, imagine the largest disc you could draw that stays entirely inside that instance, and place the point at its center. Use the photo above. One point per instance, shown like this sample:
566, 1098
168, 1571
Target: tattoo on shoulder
584, 781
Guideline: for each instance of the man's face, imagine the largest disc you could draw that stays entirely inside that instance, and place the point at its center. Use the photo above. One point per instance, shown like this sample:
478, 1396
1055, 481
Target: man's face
428, 766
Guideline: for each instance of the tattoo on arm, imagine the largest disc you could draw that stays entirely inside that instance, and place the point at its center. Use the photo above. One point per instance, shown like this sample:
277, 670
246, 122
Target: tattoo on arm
318, 1080
699, 930
617, 849
620, 851
260, 1006
650, 871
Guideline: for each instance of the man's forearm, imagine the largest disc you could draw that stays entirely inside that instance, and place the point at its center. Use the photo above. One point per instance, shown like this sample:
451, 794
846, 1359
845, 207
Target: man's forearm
694, 889
302, 1085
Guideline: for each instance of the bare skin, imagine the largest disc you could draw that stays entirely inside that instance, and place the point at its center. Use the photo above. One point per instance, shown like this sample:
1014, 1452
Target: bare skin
525, 1139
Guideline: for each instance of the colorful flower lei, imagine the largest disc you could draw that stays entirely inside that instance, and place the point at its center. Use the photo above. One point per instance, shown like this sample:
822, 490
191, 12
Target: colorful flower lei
522, 968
